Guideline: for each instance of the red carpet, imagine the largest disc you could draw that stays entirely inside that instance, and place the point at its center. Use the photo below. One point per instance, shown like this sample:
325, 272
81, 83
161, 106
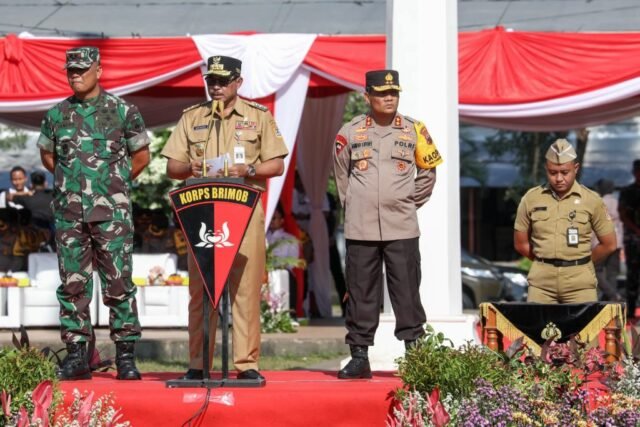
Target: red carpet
290, 398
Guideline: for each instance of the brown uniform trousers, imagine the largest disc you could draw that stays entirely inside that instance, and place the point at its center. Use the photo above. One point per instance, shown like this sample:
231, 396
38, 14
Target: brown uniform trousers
244, 289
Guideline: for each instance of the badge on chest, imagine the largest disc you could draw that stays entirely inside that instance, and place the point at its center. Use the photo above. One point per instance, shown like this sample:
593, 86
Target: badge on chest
573, 236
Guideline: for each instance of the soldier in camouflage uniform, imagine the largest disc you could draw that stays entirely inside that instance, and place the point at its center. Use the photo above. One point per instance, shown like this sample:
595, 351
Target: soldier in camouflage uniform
95, 144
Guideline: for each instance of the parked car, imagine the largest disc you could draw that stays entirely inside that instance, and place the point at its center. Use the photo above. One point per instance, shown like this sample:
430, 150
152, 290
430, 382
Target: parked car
484, 281
516, 282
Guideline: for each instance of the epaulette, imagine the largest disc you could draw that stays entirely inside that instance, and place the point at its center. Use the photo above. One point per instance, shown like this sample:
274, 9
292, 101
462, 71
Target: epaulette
202, 104
411, 119
256, 105
537, 187
588, 190
357, 119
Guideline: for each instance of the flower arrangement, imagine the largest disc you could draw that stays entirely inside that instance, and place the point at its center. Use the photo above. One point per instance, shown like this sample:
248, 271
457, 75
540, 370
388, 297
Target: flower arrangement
86, 411
273, 317
569, 384
156, 275
30, 394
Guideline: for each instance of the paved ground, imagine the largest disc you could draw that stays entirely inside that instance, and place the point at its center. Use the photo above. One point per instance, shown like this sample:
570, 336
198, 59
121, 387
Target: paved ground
320, 336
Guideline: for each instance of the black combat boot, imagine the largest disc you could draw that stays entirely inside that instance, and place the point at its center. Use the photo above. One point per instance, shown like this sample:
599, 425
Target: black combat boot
358, 366
75, 365
125, 361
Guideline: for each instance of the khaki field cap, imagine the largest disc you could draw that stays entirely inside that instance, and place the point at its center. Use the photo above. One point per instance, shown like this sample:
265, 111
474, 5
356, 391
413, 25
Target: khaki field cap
561, 152
82, 57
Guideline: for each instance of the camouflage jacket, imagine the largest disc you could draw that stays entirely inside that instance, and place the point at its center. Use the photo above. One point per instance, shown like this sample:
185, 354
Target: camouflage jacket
92, 142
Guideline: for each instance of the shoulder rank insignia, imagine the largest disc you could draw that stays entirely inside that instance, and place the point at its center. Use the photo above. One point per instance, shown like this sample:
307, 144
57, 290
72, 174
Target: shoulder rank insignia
256, 105
195, 106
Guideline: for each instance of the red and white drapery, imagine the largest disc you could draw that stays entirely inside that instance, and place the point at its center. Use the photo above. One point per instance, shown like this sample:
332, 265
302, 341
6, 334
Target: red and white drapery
524, 80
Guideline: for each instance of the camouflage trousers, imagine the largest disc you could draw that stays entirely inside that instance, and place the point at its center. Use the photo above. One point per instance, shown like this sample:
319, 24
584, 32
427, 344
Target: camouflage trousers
107, 246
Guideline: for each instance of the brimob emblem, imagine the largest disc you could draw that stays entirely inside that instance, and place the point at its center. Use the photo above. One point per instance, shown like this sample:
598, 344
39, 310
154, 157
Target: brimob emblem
208, 238
551, 331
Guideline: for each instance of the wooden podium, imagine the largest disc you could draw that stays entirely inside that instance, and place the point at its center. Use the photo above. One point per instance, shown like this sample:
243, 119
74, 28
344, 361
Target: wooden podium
535, 322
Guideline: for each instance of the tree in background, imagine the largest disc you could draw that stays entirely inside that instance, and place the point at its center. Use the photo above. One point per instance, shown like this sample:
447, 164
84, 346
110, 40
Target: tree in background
151, 188
12, 138
527, 150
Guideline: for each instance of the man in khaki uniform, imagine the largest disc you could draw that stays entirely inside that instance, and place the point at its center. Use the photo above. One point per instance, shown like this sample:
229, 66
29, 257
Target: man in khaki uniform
385, 169
247, 132
553, 227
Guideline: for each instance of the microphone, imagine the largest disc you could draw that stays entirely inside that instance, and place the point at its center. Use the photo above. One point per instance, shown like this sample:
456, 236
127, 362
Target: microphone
216, 106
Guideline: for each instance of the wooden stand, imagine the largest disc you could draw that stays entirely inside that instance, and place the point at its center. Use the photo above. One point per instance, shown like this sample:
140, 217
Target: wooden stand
493, 338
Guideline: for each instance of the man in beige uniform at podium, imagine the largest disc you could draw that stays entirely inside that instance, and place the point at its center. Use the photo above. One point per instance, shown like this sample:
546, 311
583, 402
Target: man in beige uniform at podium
247, 132
553, 228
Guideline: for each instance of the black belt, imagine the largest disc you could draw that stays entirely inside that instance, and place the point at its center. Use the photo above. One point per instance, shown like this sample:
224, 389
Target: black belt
564, 263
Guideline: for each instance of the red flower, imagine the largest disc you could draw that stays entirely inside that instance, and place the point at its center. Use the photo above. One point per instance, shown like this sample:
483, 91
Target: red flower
440, 417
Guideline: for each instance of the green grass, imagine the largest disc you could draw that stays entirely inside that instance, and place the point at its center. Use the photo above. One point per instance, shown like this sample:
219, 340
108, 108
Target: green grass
267, 363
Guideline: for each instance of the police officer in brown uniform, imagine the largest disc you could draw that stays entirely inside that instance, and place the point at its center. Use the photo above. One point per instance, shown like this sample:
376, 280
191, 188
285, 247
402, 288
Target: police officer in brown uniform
553, 228
385, 169
248, 133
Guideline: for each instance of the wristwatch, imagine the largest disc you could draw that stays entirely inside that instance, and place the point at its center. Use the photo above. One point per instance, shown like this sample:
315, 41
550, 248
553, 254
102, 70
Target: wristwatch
251, 170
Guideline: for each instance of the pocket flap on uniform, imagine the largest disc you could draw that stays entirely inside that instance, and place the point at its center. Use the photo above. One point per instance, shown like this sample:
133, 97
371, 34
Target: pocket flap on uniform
582, 217
402, 154
540, 215
246, 135
361, 154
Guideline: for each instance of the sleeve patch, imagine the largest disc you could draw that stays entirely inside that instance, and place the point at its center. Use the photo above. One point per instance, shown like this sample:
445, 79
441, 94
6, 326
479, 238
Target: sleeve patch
341, 142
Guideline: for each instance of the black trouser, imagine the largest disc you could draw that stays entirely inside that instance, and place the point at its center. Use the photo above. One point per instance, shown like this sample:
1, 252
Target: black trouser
364, 284
338, 275
607, 273
632, 256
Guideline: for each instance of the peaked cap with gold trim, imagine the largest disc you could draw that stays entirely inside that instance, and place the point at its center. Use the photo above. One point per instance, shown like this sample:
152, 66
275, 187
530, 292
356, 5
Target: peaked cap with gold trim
381, 80
223, 66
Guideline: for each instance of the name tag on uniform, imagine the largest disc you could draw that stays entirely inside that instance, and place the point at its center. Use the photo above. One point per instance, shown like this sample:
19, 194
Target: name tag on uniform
238, 155
572, 236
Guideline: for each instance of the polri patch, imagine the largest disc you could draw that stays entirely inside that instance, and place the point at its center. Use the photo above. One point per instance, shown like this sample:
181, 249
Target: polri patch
341, 142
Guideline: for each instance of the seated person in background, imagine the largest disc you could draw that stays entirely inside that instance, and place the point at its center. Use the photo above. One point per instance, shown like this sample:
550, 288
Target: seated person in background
141, 219
180, 243
38, 201
285, 252
158, 237
18, 180
8, 238
30, 239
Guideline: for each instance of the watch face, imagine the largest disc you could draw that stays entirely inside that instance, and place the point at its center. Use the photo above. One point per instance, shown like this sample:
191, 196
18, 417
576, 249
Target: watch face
251, 171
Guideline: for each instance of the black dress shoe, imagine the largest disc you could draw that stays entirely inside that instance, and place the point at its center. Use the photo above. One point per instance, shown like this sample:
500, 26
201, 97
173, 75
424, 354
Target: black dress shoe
250, 374
192, 374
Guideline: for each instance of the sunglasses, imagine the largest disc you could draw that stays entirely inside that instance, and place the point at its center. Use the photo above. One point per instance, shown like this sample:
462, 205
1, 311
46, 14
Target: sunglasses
216, 81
